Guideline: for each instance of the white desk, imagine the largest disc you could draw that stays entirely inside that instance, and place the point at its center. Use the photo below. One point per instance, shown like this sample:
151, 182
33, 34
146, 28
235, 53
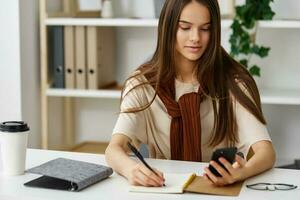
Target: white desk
116, 187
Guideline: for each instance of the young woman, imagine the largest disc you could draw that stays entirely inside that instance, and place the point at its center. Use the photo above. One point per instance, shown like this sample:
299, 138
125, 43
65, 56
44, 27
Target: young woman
190, 99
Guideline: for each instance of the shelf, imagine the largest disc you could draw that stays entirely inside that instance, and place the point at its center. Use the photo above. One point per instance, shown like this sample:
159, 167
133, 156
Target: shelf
102, 22
127, 22
90, 147
112, 94
118, 22
280, 96
280, 24
268, 96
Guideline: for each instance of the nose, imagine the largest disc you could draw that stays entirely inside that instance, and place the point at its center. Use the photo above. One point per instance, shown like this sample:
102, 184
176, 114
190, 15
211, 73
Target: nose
194, 35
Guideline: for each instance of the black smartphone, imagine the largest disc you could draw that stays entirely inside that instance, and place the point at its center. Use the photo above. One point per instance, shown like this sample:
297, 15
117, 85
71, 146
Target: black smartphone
227, 153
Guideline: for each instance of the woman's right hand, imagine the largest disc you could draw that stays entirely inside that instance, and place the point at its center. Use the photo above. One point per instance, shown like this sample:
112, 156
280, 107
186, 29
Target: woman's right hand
142, 176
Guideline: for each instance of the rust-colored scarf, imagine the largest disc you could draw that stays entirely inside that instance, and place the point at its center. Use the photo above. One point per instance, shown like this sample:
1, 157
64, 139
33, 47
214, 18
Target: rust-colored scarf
185, 132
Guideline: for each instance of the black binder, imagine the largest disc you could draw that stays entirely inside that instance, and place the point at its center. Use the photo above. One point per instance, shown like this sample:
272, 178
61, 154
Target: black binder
56, 56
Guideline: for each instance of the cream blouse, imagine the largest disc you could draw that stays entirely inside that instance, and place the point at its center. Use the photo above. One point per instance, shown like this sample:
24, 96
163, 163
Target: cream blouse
152, 125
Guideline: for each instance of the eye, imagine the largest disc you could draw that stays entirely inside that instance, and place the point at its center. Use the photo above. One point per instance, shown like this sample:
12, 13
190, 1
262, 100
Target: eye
205, 29
185, 28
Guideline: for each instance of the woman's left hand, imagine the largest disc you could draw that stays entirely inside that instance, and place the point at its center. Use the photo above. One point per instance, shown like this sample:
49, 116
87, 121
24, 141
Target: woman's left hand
235, 171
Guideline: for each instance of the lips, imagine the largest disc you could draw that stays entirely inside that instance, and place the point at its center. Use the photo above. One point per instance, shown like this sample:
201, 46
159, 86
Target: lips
193, 48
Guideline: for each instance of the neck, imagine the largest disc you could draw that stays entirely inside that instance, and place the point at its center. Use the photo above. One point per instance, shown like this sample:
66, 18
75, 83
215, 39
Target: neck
186, 70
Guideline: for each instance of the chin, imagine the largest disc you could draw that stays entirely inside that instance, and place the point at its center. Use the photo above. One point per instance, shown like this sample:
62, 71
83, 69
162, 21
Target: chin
193, 57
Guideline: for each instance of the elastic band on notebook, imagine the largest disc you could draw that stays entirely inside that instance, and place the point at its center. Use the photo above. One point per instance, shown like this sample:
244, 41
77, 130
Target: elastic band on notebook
189, 181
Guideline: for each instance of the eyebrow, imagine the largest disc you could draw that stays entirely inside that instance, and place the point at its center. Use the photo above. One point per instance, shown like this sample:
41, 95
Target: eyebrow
183, 21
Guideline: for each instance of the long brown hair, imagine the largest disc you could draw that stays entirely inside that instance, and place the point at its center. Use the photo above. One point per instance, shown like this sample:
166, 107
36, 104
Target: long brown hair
219, 75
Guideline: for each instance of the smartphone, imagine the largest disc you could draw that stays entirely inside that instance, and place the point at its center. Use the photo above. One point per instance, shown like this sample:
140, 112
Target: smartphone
227, 153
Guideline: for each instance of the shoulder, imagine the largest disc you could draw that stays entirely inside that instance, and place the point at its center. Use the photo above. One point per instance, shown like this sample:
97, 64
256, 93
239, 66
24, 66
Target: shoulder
246, 99
137, 90
244, 89
135, 81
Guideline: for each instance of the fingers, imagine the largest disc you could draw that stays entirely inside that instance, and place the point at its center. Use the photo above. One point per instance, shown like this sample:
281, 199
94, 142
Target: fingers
227, 173
212, 177
144, 180
158, 179
230, 172
226, 176
161, 175
227, 165
141, 175
242, 162
205, 176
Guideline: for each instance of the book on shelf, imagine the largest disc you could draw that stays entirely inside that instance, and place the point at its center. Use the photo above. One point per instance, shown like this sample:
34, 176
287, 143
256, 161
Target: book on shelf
80, 57
69, 50
56, 56
100, 59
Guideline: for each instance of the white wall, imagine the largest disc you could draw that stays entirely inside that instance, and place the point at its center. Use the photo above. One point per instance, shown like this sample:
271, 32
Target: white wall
10, 83
30, 71
19, 74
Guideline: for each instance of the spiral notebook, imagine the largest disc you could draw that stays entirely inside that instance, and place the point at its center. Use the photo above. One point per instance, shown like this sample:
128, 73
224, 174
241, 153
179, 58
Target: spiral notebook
179, 183
67, 174
174, 184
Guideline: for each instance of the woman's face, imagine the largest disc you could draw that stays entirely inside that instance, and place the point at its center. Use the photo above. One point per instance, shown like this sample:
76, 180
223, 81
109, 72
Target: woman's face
193, 31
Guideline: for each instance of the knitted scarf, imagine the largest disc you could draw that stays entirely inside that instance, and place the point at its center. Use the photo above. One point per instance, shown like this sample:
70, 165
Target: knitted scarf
185, 131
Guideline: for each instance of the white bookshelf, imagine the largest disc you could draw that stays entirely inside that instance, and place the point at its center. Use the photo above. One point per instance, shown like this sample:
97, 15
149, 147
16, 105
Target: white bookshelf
127, 22
268, 96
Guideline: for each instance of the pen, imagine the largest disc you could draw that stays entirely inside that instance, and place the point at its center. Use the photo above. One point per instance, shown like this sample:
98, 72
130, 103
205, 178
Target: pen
140, 157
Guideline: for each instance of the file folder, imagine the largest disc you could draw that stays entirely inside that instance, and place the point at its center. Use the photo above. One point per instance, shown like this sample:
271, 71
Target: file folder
69, 41
100, 57
80, 57
56, 56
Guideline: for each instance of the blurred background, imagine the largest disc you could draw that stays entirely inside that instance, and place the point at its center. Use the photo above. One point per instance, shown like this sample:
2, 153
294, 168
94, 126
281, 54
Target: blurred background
64, 114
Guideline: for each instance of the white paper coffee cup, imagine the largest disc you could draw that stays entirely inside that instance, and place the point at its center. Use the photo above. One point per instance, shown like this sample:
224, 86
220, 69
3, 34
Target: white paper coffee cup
13, 142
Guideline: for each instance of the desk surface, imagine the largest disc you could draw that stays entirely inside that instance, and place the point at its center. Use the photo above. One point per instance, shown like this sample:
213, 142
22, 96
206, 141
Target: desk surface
116, 187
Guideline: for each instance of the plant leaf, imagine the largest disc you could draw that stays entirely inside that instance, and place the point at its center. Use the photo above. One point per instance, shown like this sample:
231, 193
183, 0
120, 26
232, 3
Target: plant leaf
254, 70
244, 62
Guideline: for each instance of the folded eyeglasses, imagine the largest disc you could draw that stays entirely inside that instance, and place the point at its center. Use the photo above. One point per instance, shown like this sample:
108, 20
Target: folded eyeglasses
271, 186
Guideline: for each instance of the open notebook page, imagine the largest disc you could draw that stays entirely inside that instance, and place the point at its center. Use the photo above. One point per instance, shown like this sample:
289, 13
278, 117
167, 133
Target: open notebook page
174, 184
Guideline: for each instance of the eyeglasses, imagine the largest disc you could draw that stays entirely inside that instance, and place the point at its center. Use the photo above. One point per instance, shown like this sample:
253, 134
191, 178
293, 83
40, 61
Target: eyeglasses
271, 186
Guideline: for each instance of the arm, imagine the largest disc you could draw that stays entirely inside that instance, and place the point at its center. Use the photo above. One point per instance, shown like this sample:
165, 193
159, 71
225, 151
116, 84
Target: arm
263, 159
243, 169
136, 173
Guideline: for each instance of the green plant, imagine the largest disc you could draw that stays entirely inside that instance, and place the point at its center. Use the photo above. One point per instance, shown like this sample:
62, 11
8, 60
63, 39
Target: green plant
244, 29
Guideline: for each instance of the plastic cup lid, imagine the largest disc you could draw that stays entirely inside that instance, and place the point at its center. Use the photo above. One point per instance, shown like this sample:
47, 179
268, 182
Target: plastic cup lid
14, 126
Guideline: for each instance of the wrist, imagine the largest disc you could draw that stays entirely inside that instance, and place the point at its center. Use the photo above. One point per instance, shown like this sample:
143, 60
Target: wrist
245, 173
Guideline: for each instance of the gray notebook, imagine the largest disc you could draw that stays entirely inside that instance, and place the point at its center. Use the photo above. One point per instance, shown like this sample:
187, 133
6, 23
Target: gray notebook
66, 174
